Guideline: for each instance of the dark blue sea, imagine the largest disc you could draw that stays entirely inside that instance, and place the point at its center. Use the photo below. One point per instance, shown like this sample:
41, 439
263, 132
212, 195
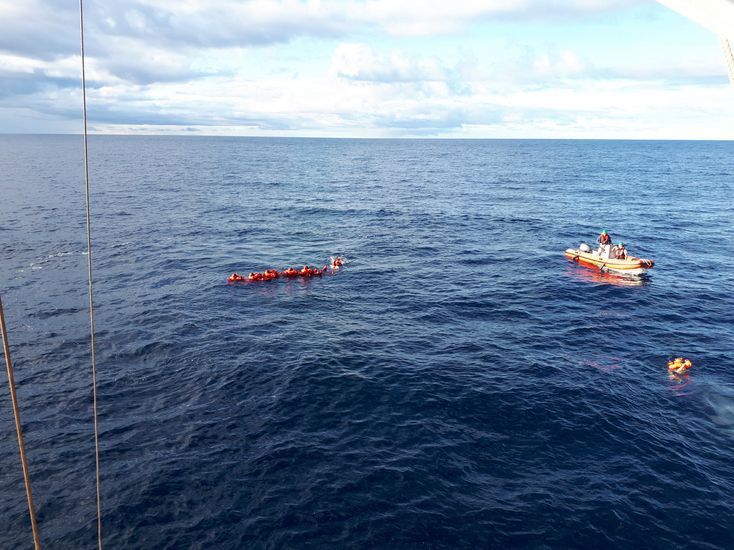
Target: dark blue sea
458, 384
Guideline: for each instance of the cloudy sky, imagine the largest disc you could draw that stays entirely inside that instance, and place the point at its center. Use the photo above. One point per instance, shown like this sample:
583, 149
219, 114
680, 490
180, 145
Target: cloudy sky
365, 68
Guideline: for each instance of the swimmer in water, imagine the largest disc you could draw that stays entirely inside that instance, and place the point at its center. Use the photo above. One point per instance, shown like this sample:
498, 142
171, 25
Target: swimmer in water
679, 365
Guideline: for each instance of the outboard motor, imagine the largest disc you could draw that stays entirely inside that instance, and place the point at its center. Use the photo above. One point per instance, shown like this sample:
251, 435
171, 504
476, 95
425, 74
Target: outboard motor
583, 247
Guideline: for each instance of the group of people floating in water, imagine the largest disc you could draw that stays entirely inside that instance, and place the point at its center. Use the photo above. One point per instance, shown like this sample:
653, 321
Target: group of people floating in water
289, 272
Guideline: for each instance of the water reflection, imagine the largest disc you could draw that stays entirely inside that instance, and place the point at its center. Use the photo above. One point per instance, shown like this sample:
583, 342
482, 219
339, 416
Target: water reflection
679, 383
596, 276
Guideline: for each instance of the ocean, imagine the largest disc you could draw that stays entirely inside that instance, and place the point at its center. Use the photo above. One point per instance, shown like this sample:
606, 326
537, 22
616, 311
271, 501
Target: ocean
457, 384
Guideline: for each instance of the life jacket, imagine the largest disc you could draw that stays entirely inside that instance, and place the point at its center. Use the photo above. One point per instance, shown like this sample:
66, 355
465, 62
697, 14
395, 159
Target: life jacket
604, 238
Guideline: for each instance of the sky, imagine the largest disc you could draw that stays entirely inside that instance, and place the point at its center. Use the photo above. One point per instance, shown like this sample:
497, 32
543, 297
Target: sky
612, 69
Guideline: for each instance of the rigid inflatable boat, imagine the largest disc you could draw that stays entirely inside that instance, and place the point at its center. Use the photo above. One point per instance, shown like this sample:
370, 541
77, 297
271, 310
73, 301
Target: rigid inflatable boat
590, 258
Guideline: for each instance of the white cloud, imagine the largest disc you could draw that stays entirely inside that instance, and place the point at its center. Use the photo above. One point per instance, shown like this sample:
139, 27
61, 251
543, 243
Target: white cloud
360, 62
431, 17
50, 28
565, 64
219, 66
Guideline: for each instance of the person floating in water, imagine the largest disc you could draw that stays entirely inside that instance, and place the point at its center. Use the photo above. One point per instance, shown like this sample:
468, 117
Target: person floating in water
312, 271
679, 365
337, 262
605, 244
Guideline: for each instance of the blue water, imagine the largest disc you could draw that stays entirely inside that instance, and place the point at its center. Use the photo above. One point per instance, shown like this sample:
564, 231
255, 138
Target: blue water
458, 384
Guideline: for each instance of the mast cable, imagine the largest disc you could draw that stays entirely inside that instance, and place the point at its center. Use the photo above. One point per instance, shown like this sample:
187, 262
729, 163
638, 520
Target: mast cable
729, 56
18, 428
89, 278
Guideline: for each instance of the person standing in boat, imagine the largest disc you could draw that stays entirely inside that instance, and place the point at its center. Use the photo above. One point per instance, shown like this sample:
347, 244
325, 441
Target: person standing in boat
605, 244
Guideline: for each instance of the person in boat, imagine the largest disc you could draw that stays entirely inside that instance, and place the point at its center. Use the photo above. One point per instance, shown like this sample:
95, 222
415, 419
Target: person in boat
605, 244
620, 252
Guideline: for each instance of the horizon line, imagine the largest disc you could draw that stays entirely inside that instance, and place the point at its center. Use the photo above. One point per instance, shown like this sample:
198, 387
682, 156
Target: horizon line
373, 138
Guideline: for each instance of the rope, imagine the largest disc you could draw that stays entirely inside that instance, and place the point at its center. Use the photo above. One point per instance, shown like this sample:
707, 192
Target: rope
89, 278
18, 428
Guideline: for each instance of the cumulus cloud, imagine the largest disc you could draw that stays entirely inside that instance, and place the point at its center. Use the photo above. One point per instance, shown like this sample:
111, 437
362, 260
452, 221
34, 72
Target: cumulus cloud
360, 62
50, 27
218, 66
145, 41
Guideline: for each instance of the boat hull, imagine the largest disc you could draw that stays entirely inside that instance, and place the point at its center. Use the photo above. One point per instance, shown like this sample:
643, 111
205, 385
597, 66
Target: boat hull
630, 266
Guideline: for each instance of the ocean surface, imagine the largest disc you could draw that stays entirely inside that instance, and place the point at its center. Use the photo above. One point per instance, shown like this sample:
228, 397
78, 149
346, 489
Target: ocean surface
458, 384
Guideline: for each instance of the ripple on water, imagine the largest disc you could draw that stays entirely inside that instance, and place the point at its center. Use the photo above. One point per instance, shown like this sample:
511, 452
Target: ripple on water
457, 384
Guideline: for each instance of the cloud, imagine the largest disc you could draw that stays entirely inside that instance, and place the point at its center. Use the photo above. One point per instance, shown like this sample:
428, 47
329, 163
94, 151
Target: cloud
432, 17
218, 23
340, 67
22, 84
49, 28
21, 76
128, 60
146, 41
360, 62
39, 28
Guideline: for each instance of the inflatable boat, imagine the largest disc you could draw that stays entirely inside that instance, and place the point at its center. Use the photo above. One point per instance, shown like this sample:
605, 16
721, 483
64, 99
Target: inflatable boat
590, 258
